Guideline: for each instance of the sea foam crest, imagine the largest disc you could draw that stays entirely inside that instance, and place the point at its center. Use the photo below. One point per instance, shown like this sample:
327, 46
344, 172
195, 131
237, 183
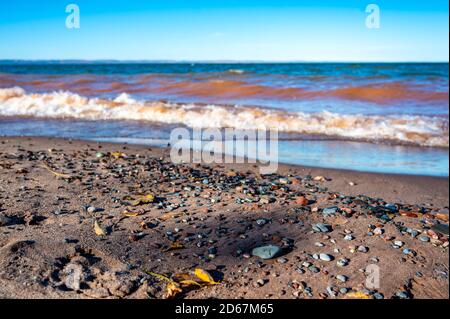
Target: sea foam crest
418, 130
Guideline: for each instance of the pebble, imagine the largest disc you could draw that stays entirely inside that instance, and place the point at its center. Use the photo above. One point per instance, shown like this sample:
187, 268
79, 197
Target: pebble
343, 262
266, 252
326, 257
363, 249
378, 231
343, 290
398, 243
318, 244
314, 269
282, 260
322, 228
349, 237
401, 295
440, 228
330, 210
4, 220
261, 221
424, 238
409, 252
341, 278
378, 295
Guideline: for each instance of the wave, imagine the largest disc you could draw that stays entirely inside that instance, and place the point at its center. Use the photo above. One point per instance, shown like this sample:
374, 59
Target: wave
219, 88
417, 130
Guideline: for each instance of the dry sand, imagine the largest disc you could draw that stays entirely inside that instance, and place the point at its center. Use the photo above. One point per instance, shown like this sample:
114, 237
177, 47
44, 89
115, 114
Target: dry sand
215, 215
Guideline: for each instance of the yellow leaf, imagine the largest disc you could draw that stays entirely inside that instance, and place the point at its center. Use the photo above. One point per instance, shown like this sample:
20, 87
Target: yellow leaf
99, 231
66, 176
357, 295
205, 276
118, 154
173, 289
175, 246
146, 199
132, 214
159, 276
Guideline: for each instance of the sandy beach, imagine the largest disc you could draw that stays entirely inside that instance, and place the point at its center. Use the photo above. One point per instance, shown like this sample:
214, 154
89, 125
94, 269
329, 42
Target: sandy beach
96, 220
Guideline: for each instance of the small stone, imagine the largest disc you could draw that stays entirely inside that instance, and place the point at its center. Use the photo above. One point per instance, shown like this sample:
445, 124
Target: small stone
4, 220
260, 282
409, 252
99, 155
322, 228
378, 231
261, 221
282, 260
343, 290
378, 295
401, 295
318, 244
349, 237
314, 269
301, 200
266, 252
398, 243
424, 238
392, 207
440, 228
363, 249
330, 210
326, 257
341, 278
342, 262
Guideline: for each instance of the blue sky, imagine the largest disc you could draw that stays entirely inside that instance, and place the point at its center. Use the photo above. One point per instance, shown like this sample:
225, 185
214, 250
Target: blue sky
268, 30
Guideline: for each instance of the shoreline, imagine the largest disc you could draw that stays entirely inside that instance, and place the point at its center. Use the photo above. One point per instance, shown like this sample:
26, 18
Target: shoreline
211, 217
412, 187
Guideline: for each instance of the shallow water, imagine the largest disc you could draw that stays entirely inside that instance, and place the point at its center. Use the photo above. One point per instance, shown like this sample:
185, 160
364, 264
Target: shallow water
389, 105
326, 153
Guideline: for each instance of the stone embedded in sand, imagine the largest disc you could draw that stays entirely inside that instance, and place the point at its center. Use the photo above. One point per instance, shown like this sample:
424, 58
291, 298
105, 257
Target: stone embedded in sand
341, 278
266, 252
322, 228
5, 220
440, 228
363, 249
326, 257
424, 238
301, 200
330, 210
392, 207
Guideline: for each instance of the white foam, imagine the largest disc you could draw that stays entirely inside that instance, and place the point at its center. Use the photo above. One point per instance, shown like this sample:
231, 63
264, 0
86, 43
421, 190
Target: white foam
419, 130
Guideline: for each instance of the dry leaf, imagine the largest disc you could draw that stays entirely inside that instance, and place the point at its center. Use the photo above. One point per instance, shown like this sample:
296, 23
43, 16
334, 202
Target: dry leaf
133, 214
159, 276
174, 246
99, 231
118, 154
146, 199
205, 276
67, 176
173, 289
357, 295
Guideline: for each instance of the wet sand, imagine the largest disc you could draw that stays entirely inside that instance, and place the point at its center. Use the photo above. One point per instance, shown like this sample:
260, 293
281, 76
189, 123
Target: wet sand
52, 191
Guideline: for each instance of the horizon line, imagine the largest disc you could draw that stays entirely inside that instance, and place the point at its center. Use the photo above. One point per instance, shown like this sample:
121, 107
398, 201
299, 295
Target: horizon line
218, 61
